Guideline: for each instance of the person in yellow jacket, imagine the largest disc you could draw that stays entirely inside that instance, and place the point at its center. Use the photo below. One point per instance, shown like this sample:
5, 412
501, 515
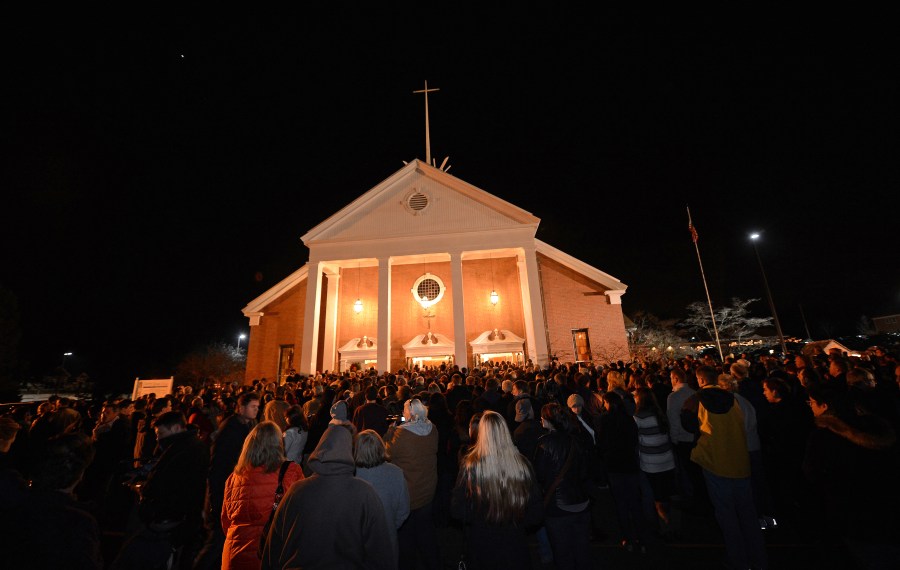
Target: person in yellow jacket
716, 418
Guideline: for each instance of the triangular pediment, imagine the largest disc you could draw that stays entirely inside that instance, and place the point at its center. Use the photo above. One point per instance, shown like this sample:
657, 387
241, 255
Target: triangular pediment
419, 200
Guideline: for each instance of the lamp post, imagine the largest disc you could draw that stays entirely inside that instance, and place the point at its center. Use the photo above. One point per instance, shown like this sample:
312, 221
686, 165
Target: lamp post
61, 372
753, 238
241, 337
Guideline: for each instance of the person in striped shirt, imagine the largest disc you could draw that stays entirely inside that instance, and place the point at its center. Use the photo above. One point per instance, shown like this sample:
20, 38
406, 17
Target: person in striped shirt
656, 457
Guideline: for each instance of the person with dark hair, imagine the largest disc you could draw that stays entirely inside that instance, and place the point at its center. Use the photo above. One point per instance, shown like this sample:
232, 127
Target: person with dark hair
689, 476
783, 433
490, 399
561, 462
657, 460
440, 416
319, 421
836, 376
458, 392
138, 412
371, 414
51, 529
226, 450
296, 435
617, 440
145, 441
198, 415
171, 500
330, 519
112, 453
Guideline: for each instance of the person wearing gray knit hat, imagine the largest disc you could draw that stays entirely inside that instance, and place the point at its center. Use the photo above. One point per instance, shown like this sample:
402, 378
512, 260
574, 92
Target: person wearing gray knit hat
339, 413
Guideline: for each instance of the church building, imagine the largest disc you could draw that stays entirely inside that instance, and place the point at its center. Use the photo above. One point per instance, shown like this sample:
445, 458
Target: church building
425, 269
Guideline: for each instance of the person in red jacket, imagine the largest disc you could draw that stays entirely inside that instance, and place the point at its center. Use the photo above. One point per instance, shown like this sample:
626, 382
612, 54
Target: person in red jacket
250, 493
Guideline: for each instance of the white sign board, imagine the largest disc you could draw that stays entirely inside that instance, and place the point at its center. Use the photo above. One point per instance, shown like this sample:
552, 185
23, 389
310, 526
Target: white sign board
161, 387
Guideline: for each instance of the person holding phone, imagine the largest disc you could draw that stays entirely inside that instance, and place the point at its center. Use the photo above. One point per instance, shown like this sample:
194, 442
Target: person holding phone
412, 444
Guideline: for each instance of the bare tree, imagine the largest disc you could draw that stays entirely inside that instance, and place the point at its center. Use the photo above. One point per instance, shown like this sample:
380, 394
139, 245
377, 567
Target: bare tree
733, 321
217, 362
653, 339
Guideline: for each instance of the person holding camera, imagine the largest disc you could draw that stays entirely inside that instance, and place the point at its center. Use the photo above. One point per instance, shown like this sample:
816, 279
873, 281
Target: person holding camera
412, 444
171, 499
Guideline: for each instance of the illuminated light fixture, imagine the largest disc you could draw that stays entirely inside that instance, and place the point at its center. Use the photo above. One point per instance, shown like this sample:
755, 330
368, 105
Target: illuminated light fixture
357, 306
495, 298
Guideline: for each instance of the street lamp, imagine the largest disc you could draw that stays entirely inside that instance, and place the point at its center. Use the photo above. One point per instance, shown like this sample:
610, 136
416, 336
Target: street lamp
241, 337
753, 238
61, 372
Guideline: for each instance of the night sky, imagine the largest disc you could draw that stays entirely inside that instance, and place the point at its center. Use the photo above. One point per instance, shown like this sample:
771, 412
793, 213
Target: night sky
158, 169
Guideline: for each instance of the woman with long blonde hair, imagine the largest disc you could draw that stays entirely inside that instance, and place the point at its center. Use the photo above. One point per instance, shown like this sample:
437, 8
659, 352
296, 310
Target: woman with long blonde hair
497, 498
250, 493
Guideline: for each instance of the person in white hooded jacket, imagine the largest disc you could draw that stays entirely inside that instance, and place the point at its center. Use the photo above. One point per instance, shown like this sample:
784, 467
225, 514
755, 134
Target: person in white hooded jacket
412, 446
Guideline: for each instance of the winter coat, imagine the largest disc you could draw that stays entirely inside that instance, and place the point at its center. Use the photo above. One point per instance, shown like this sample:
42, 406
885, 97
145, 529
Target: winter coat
248, 504
330, 519
717, 416
550, 457
617, 441
492, 545
413, 448
176, 486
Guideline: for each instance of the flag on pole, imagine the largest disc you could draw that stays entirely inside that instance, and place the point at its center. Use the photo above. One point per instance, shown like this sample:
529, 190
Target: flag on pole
691, 227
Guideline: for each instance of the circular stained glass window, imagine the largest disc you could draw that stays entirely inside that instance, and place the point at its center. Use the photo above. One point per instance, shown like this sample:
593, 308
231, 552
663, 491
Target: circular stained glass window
428, 289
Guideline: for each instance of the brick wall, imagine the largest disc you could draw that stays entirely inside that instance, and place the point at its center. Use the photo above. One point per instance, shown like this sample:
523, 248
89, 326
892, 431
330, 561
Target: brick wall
281, 324
568, 307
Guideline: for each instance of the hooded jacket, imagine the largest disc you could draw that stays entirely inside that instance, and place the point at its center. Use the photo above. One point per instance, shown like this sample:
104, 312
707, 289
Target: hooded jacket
330, 519
716, 416
413, 447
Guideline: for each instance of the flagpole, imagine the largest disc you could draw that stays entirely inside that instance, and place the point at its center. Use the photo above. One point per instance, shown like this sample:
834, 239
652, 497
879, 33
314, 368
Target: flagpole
703, 275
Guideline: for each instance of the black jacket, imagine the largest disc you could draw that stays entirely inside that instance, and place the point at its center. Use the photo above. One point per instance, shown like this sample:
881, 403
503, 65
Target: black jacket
176, 487
550, 457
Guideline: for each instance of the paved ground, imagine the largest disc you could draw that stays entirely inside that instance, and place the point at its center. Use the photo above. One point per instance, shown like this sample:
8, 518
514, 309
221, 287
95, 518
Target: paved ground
699, 547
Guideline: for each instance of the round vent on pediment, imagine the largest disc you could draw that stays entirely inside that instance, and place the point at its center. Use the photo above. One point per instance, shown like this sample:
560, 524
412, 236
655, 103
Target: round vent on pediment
417, 202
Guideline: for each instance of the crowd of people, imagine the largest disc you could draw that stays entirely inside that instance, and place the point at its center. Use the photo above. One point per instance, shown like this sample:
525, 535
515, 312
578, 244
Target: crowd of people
361, 470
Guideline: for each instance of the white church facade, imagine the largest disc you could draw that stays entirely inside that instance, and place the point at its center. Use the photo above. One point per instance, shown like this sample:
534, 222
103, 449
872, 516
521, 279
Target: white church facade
425, 269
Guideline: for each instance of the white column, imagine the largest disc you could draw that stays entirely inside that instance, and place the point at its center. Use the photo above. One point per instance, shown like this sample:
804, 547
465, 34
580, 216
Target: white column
329, 352
460, 356
384, 314
311, 318
533, 307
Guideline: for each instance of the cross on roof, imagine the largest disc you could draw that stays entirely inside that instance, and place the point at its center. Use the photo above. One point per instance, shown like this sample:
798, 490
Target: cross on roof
426, 91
